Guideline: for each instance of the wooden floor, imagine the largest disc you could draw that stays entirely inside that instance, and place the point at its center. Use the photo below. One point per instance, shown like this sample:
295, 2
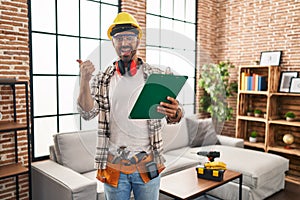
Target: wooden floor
291, 192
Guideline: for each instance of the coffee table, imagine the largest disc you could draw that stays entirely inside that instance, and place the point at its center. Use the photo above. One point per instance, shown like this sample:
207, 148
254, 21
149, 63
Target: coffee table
186, 185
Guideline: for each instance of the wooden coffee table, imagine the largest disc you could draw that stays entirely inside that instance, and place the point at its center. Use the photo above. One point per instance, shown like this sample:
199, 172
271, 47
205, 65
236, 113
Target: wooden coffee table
186, 185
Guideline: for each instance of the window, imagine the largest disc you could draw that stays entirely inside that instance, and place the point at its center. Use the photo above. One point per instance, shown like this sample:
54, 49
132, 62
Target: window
61, 32
171, 42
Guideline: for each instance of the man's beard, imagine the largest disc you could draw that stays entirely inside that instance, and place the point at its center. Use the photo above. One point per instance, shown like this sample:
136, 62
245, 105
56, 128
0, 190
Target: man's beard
128, 56
126, 59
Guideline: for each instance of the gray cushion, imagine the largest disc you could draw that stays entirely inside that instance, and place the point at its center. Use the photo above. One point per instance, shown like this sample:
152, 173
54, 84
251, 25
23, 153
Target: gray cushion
201, 132
76, 150
176, 135
258, 168
92, 175
177, 163
52, 153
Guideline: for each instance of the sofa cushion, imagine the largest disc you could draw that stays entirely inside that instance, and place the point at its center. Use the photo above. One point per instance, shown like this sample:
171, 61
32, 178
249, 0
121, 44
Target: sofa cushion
52, 154
258, 168
231, 141
53, 181
76, 150
176, 163
174, 136
201, 132
92, 175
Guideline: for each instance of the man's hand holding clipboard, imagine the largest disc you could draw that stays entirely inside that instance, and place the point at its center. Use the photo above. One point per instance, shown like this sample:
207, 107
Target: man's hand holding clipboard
159, 88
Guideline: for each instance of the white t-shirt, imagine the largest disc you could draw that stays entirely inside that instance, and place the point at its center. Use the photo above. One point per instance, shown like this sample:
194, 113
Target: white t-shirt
133, 134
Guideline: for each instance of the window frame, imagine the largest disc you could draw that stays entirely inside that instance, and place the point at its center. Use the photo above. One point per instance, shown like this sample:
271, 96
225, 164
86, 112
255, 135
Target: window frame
57, 75
159, 46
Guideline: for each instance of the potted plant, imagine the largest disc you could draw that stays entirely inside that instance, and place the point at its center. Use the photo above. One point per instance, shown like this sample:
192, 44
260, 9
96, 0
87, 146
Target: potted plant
253, 136
249, 112
217, 85
257, 112
290, 116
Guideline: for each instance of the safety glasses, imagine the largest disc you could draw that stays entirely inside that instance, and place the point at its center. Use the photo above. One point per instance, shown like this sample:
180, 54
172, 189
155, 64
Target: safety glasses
125, 37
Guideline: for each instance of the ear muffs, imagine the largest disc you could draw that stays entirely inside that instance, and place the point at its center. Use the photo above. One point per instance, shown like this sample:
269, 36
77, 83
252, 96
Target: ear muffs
131, 69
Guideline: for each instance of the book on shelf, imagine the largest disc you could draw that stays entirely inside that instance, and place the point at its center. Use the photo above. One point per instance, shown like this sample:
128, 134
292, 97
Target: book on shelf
253, 82
262, 83
244, 83
249, 82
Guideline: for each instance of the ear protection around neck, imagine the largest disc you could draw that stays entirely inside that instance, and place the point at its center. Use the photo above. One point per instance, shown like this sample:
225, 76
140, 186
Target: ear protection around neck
131, 67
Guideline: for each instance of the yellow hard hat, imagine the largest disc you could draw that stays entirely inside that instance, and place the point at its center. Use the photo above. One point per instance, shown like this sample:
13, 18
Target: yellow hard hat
124, 18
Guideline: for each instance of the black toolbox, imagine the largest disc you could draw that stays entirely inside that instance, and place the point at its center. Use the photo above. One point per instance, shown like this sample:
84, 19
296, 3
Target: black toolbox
210, 174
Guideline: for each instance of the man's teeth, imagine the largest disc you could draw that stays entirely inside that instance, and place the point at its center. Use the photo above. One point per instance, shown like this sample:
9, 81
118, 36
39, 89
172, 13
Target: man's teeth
126, 52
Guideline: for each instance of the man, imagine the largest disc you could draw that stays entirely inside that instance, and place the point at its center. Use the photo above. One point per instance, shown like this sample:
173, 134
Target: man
128, 153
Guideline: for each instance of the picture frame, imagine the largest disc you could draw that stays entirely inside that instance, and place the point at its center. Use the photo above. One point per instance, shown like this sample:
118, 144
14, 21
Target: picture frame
285, 80
295, 85
270, 58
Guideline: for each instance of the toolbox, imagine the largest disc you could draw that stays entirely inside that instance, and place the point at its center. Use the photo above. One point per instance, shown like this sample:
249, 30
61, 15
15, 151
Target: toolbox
210, 174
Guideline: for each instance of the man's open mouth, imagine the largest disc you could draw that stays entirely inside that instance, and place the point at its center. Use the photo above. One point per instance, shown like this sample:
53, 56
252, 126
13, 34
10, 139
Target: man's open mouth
126, 51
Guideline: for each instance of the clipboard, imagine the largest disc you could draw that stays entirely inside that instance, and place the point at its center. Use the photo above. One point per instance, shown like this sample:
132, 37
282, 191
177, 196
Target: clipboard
156, 90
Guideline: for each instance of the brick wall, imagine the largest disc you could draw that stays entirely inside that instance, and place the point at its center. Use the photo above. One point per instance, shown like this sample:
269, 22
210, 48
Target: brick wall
138, 10
247, 27
206, 38
14, 62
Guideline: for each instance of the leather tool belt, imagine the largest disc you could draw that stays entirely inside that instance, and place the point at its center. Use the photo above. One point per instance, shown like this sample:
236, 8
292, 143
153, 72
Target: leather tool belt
138, 162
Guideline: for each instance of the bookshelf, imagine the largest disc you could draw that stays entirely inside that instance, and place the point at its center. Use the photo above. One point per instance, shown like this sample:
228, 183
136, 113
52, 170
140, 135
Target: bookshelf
271, 126
17, 168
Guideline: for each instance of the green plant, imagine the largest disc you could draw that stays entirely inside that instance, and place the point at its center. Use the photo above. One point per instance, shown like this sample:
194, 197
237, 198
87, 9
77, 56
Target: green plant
257, 111
253, 134
290, 114
215, 80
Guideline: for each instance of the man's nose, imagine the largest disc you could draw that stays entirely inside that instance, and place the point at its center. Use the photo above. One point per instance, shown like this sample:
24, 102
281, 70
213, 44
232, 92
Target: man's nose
124, 42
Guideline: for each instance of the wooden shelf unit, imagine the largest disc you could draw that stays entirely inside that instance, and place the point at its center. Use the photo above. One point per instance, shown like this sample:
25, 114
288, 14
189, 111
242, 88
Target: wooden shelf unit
11, 126
17, 168
272, 126
12, 170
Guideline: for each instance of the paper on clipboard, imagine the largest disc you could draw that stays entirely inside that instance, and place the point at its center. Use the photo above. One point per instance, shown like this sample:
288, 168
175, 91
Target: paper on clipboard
156, 90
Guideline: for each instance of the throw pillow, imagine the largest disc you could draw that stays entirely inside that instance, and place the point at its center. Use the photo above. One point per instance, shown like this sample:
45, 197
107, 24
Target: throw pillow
201, 132
75, 150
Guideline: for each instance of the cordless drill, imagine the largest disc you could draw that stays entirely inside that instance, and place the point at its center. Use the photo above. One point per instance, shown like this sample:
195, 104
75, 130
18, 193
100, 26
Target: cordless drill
211, 155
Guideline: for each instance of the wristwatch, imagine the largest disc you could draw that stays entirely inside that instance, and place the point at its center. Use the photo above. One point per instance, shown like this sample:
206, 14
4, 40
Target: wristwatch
171, 119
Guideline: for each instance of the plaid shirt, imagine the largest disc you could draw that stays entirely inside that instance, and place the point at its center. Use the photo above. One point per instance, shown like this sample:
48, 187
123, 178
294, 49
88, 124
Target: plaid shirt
100, 93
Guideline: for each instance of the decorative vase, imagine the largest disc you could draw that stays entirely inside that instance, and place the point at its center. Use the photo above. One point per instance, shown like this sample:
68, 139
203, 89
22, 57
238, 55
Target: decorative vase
249, 113
256, 115
289, 119
252, 139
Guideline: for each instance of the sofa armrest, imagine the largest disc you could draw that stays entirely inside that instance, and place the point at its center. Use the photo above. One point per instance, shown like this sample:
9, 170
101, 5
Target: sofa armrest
51, 181
231, 141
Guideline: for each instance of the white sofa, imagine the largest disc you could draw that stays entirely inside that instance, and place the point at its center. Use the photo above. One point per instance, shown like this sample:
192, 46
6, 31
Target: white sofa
69, 173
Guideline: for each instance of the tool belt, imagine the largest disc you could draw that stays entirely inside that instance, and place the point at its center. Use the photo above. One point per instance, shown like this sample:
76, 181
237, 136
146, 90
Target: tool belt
138, 162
